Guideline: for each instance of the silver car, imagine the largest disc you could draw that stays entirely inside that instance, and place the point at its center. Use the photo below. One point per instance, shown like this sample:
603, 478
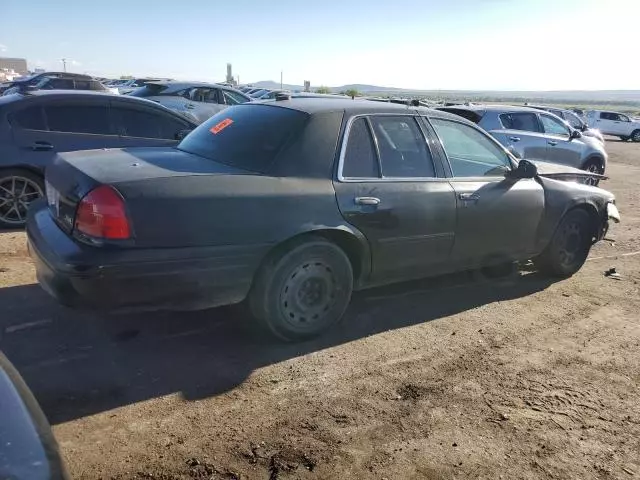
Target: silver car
536, 135
573, 119
196, 101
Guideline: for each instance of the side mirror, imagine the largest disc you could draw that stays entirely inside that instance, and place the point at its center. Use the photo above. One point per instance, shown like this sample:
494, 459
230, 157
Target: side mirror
183, 133
525, 169
575, 134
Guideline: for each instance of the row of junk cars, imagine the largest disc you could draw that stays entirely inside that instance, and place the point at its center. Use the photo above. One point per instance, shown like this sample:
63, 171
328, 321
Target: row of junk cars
60, 112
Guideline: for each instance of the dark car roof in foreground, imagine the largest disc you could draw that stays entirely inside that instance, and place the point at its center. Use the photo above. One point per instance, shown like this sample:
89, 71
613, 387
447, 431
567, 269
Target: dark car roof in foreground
357, 106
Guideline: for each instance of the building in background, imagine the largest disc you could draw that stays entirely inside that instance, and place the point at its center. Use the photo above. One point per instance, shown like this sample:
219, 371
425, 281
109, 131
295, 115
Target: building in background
230, 80
19, 65
307, 86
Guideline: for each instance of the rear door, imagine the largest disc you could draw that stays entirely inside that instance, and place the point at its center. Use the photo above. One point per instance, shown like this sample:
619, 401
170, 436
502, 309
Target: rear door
390, 189
560, 147
497, 218
63, 126
140, 126
523, 135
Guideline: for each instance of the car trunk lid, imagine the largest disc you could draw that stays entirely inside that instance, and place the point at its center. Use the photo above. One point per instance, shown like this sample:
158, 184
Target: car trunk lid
73, 175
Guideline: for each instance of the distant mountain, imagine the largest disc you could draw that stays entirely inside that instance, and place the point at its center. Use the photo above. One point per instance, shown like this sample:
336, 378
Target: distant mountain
631, 97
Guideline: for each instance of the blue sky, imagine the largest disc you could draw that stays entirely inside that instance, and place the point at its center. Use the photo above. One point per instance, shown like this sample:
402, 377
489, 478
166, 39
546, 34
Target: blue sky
426, 44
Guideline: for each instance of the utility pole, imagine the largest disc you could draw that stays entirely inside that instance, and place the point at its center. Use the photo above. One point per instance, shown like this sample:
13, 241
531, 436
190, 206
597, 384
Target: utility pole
280, 79
64, 64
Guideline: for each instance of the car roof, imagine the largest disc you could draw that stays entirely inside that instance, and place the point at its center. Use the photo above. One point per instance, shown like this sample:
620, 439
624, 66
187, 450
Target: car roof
182, 84
75, 94
493, 108
356, 106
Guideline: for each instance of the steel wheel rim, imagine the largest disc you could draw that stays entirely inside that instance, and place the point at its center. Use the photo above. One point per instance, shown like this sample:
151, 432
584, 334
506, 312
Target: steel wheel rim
16, 194
570, 244
309, 292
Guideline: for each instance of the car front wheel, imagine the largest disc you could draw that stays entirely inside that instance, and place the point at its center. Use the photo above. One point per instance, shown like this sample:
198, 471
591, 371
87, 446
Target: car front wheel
593, 166
569, 247
300, 292
635, 136
18, 189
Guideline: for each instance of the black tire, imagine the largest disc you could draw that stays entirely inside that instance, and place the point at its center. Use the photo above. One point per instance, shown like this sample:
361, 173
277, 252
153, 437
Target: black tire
593, 165
18, 188
635, 136
569, 247
300, 292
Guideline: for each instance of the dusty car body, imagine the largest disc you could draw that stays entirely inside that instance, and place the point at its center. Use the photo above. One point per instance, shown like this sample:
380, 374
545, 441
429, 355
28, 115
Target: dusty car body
328, 196
28, 449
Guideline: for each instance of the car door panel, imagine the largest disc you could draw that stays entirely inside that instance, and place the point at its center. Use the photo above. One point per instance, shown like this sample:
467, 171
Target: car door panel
529, 145
497, 218
561, 148
410, 230
408, 221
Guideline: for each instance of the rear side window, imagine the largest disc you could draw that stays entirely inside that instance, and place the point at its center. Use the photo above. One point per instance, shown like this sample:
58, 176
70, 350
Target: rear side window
131, 122
78, 119
524, 121
30, 118
59, 83
403, 149
360, 155
245, 136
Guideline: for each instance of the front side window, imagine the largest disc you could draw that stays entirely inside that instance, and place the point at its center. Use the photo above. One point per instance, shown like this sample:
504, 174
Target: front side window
402, 147
608, 116
573, 120
360, 155
524, 121
553, 126
470, 152
623, 118
233, 98
78, 119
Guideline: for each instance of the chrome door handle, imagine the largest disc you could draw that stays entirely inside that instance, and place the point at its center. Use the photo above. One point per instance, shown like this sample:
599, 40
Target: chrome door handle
367, 201
552, 143
514, 139
469, 197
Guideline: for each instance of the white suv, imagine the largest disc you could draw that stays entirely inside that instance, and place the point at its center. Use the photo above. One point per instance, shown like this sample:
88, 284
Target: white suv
614, 123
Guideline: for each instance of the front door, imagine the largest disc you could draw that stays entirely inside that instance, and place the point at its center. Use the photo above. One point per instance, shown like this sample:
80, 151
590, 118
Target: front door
388, 188
561, 148
497, 218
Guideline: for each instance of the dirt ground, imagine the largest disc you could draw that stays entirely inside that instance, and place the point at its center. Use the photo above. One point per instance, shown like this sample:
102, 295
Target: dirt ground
443, 378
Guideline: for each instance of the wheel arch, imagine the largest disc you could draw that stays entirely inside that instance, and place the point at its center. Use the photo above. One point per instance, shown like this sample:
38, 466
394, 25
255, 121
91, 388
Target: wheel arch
23, 166
594, 157
351, 241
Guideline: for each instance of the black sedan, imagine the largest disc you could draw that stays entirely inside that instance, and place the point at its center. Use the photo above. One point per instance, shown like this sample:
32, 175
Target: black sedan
291, 205
35, 126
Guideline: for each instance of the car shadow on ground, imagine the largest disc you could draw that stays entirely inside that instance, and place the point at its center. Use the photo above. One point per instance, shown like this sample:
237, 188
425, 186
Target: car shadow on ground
79, 364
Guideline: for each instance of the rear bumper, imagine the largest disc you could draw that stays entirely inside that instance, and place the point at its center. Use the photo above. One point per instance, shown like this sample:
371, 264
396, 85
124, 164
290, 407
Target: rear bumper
83, 276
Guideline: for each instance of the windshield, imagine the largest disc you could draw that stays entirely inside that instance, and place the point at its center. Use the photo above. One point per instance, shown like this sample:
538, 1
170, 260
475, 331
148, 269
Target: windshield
244, 136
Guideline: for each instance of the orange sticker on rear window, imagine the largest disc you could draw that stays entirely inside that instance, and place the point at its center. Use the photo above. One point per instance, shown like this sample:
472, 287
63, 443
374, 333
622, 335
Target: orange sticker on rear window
221, 126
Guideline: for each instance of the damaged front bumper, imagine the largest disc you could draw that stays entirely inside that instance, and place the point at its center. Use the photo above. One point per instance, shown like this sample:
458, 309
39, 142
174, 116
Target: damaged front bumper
613, 215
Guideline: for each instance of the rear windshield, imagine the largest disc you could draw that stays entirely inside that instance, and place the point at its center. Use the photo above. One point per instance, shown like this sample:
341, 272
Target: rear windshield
149, 90
245, 136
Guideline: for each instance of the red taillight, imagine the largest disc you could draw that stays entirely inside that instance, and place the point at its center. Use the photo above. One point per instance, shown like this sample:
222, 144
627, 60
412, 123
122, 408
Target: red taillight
102, 214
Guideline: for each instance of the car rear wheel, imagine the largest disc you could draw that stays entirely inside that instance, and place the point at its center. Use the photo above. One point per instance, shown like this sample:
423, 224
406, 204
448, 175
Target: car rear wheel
593, 166
624, 139
569, 247
300, 292
635, 136
18, 189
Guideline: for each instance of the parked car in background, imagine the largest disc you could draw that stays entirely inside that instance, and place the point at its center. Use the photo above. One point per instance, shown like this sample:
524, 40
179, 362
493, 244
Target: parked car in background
614, 123
49, 79
573, 119
195, 100
133, 84
536, 135
293, 204
35, 127
255, 94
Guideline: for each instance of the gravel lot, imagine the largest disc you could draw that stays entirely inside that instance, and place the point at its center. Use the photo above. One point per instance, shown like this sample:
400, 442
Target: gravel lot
443, 378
